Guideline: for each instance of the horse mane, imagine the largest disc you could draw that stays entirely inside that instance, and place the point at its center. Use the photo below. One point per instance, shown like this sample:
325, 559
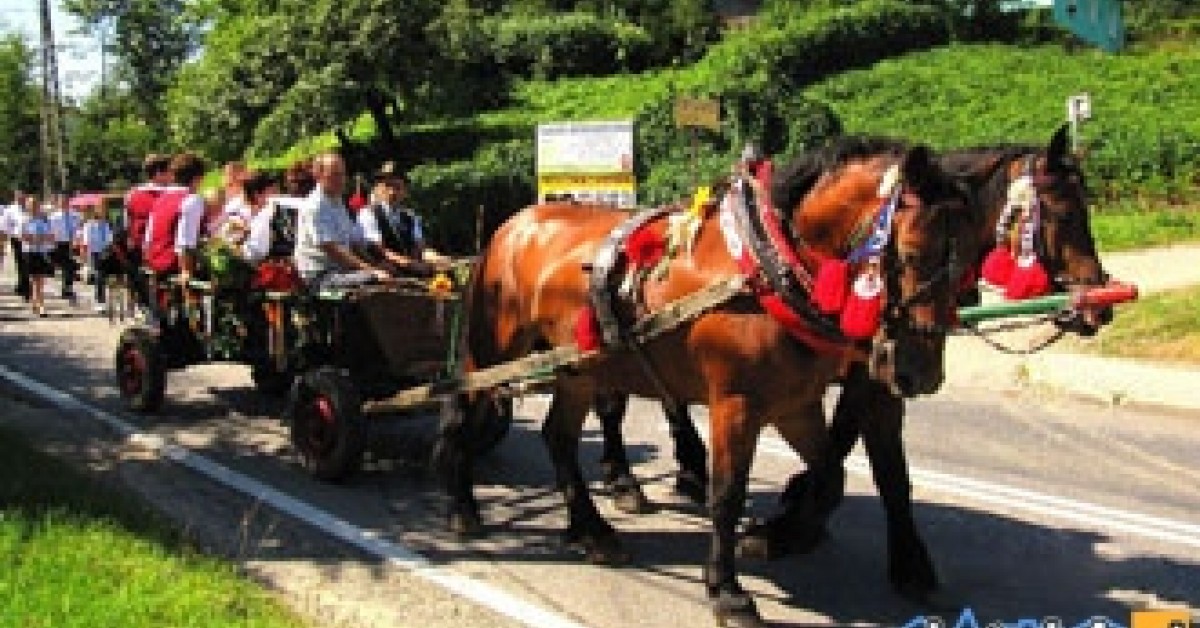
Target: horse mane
793, 181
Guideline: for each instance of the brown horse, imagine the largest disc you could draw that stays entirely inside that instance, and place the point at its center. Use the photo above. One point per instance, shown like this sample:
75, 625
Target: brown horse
1067, 251
743, 363
867, 407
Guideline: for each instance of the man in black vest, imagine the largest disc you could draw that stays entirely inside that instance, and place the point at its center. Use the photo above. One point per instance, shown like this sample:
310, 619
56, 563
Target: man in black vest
393, 230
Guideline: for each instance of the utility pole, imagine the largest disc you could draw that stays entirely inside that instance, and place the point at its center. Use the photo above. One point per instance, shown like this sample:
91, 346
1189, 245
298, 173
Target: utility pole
54, 132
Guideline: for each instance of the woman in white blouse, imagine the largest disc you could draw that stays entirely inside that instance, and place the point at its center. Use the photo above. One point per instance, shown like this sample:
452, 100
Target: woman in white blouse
257, 188
37, 242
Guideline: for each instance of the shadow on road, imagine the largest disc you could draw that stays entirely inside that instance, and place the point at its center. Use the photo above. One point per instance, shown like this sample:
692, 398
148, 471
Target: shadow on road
1000, 566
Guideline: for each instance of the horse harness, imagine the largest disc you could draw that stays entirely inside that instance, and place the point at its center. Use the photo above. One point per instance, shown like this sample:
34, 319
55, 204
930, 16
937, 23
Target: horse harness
772, 271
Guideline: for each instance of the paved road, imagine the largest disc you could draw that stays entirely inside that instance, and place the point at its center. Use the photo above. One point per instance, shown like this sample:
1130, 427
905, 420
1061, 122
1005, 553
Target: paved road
1031, 505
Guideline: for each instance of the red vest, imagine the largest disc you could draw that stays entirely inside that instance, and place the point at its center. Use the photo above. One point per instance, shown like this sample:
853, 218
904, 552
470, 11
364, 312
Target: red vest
137, 212
160, 250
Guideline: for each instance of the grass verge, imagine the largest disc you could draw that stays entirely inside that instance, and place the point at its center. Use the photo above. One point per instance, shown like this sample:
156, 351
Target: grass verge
1163, 326
78, 553
1125, 228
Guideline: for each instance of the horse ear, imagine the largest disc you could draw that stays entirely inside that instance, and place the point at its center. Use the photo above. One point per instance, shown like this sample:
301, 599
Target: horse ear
1058, 150
918, 162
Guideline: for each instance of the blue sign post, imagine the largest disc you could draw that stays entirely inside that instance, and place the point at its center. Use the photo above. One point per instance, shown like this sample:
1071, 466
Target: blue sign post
1095, 21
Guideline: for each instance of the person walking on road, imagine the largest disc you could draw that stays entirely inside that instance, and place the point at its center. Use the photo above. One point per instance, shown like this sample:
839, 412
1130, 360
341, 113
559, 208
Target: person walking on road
95, 238
12, 223
37, 239
64, 224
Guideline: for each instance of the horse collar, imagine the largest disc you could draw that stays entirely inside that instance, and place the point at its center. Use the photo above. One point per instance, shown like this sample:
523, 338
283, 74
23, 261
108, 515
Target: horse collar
754, 236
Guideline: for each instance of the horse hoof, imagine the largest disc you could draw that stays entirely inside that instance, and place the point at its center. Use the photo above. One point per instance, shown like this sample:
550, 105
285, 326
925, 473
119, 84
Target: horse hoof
737, 611
466, 525
631, 501
692, 487
773, 539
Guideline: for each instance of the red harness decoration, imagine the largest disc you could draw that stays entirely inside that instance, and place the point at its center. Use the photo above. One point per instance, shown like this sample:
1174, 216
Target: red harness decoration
771, 301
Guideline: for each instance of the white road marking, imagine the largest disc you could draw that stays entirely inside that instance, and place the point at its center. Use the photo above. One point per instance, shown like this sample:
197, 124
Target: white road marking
1093, 516
394, 553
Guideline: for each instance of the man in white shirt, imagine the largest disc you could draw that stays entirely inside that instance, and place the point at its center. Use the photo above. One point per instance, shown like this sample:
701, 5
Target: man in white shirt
326, 236
64, 224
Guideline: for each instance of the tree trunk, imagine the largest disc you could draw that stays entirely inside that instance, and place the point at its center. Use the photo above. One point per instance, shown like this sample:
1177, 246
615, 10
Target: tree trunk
377, 105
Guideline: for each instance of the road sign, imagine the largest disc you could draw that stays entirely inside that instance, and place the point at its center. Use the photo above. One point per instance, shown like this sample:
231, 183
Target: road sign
1095, 21
588, 161
1079, 107
698, 112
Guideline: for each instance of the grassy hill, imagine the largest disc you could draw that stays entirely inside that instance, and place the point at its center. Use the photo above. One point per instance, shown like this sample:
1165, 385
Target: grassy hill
1144, 140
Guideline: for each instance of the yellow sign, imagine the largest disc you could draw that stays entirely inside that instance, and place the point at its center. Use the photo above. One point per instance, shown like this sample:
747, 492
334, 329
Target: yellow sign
1161, 619
568, 182
701, 112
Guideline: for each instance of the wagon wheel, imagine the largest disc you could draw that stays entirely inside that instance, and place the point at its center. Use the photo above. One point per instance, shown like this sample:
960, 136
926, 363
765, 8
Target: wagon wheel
269, 381
141, 371
327, 426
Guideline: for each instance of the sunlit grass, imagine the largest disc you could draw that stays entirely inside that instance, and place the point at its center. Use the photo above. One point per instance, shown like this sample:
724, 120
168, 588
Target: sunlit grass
1164, 326
1124, 228
76, 553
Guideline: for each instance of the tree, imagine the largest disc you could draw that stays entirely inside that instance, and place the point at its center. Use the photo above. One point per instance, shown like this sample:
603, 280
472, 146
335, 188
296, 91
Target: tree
107, 142
153, 39
20, 165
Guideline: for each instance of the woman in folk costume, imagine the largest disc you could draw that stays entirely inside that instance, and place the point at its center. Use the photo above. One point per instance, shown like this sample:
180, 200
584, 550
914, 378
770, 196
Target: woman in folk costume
95, 239
37, 244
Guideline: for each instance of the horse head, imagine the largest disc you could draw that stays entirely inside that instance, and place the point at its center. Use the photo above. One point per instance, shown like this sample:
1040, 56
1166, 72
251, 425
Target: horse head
914, 216
1061, 236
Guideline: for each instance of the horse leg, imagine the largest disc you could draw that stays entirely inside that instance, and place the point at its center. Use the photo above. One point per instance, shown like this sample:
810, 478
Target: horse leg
452, 457
843, 432
733, 442
910, 568
618, 476
800, 526
561, 432
690, 453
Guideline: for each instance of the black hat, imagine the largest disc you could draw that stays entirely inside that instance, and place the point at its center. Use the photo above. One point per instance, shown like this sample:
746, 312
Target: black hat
389, 170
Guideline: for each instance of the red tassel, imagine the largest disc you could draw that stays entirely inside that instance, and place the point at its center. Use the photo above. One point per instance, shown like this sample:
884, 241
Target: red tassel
998, 266
587, 330
861, 314
1028, 280
831, 286
644, 248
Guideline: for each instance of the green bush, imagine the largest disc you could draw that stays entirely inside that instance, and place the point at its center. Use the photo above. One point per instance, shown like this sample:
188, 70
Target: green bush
1142, 142
816, 44
670, 161
752, 74
569, 44
499, 180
